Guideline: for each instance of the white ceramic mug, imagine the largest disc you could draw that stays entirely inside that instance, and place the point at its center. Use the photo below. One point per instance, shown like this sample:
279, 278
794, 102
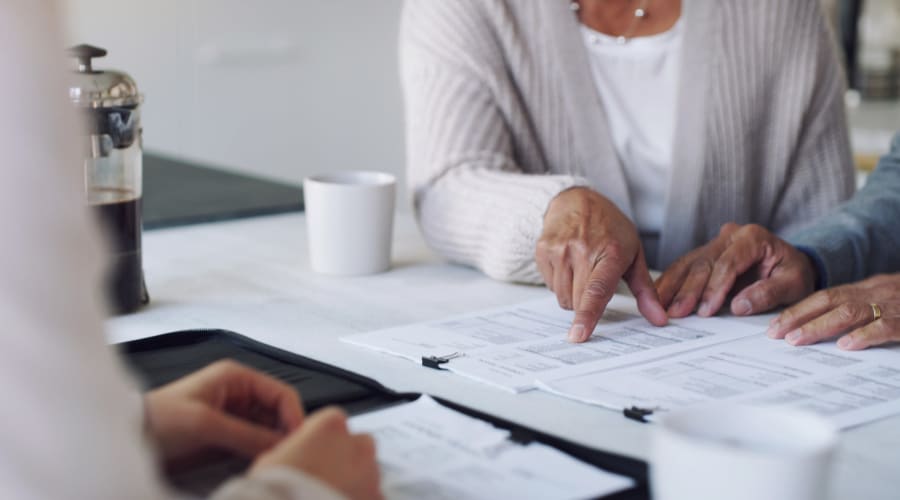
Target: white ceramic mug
736, 452
350, 220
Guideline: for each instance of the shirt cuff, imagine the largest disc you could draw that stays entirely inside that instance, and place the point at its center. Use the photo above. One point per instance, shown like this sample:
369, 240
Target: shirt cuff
277, 483
818, 265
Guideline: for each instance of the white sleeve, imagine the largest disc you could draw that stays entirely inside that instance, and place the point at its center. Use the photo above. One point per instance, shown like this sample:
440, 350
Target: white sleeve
276, 483
72, 423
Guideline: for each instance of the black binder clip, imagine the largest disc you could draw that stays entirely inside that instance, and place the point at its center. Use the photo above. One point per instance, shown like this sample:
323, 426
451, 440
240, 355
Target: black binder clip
637, 413
436, 361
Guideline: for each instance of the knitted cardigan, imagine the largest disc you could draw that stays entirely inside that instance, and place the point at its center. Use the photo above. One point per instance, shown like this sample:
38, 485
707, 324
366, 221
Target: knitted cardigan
502, 114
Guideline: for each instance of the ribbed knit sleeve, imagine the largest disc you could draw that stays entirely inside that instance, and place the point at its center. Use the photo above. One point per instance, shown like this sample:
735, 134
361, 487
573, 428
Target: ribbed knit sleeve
820, 173
472, 200
860, 238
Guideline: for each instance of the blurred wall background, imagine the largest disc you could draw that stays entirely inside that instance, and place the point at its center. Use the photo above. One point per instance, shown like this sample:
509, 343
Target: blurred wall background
278, 88
287, 88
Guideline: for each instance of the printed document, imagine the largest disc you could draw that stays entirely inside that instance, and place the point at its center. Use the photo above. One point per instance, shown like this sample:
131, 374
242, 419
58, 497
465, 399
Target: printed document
512, 347
628, 362
427, 451
849, 388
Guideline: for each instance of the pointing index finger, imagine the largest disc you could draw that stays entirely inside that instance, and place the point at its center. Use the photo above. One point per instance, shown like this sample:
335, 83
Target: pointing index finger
597, 293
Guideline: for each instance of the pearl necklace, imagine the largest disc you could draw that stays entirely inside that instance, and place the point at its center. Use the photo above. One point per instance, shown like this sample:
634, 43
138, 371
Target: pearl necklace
639, 13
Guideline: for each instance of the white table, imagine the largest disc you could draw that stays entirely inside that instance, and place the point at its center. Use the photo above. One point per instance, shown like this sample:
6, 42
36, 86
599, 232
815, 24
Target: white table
252, 276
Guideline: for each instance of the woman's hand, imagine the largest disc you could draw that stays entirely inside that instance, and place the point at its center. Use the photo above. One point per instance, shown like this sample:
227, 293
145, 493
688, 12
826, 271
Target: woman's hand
225, 406
847, 308
325, 449
586, 247
777, 273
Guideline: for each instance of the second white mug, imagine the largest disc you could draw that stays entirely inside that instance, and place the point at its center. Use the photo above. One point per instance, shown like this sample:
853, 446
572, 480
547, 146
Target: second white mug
737, 452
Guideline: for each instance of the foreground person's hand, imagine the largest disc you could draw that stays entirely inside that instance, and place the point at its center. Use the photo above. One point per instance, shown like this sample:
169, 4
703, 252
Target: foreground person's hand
869, 310
777, 273
587, 245
325, 449
225, 406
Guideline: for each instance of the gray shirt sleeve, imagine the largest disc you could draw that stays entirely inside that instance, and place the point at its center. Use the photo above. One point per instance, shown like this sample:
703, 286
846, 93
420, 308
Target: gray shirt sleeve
860, 237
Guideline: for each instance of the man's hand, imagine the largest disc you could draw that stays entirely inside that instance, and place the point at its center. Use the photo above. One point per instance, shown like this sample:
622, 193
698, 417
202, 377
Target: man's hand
225, 406
325, 449
586, 247
778, 273
843, 309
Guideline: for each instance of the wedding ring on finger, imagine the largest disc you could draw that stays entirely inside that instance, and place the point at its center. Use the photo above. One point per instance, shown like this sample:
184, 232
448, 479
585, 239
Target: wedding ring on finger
876, 312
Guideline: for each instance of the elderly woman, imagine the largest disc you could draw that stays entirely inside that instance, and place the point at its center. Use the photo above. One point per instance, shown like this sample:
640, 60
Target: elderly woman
575, 143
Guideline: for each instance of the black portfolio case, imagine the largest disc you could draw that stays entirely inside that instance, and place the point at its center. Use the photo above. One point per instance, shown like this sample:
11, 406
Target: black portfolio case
161, 359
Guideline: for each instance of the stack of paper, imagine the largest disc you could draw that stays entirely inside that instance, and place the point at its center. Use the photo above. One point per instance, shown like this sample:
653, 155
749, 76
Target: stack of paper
427, 451
516, 346
850, 388
629, 363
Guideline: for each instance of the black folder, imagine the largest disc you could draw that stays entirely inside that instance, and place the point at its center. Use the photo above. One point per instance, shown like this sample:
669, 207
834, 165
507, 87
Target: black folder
164, 358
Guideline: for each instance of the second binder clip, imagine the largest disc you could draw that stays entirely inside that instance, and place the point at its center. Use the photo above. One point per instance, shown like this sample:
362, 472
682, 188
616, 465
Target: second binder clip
436, 361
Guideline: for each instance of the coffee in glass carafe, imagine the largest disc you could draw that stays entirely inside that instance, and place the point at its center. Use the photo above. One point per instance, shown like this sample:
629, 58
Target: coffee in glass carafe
109, 104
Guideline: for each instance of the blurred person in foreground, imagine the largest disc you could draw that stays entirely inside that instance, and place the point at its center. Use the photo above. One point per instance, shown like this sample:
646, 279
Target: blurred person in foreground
844, 255
73, 424
574, 143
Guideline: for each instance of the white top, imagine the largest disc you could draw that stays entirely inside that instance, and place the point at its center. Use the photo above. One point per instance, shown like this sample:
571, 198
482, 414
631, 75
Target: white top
638, 85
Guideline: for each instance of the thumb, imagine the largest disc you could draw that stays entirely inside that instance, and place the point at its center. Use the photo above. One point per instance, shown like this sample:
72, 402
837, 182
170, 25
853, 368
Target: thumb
240, 436
638, 279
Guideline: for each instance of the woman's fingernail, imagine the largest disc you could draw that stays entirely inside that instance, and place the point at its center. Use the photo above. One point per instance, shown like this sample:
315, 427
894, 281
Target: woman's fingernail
772, 332
845, 342
576, 333
793, 337
743, 307
704, 309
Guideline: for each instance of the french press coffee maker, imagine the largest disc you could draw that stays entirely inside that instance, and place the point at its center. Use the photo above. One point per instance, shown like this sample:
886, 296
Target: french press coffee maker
109, 104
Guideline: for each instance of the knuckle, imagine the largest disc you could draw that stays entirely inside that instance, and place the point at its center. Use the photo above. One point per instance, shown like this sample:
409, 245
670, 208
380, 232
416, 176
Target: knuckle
725, 267
333, 417
615, 251
787, 316
558, 253
846, 313
578, 249
225, 366
765, 297
828, 296
727, 228
756, 232
700, 266
685, 296
884, 329
597, 289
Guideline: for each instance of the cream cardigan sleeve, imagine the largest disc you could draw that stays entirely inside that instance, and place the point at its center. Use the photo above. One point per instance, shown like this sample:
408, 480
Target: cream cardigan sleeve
72, 421
473, 203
